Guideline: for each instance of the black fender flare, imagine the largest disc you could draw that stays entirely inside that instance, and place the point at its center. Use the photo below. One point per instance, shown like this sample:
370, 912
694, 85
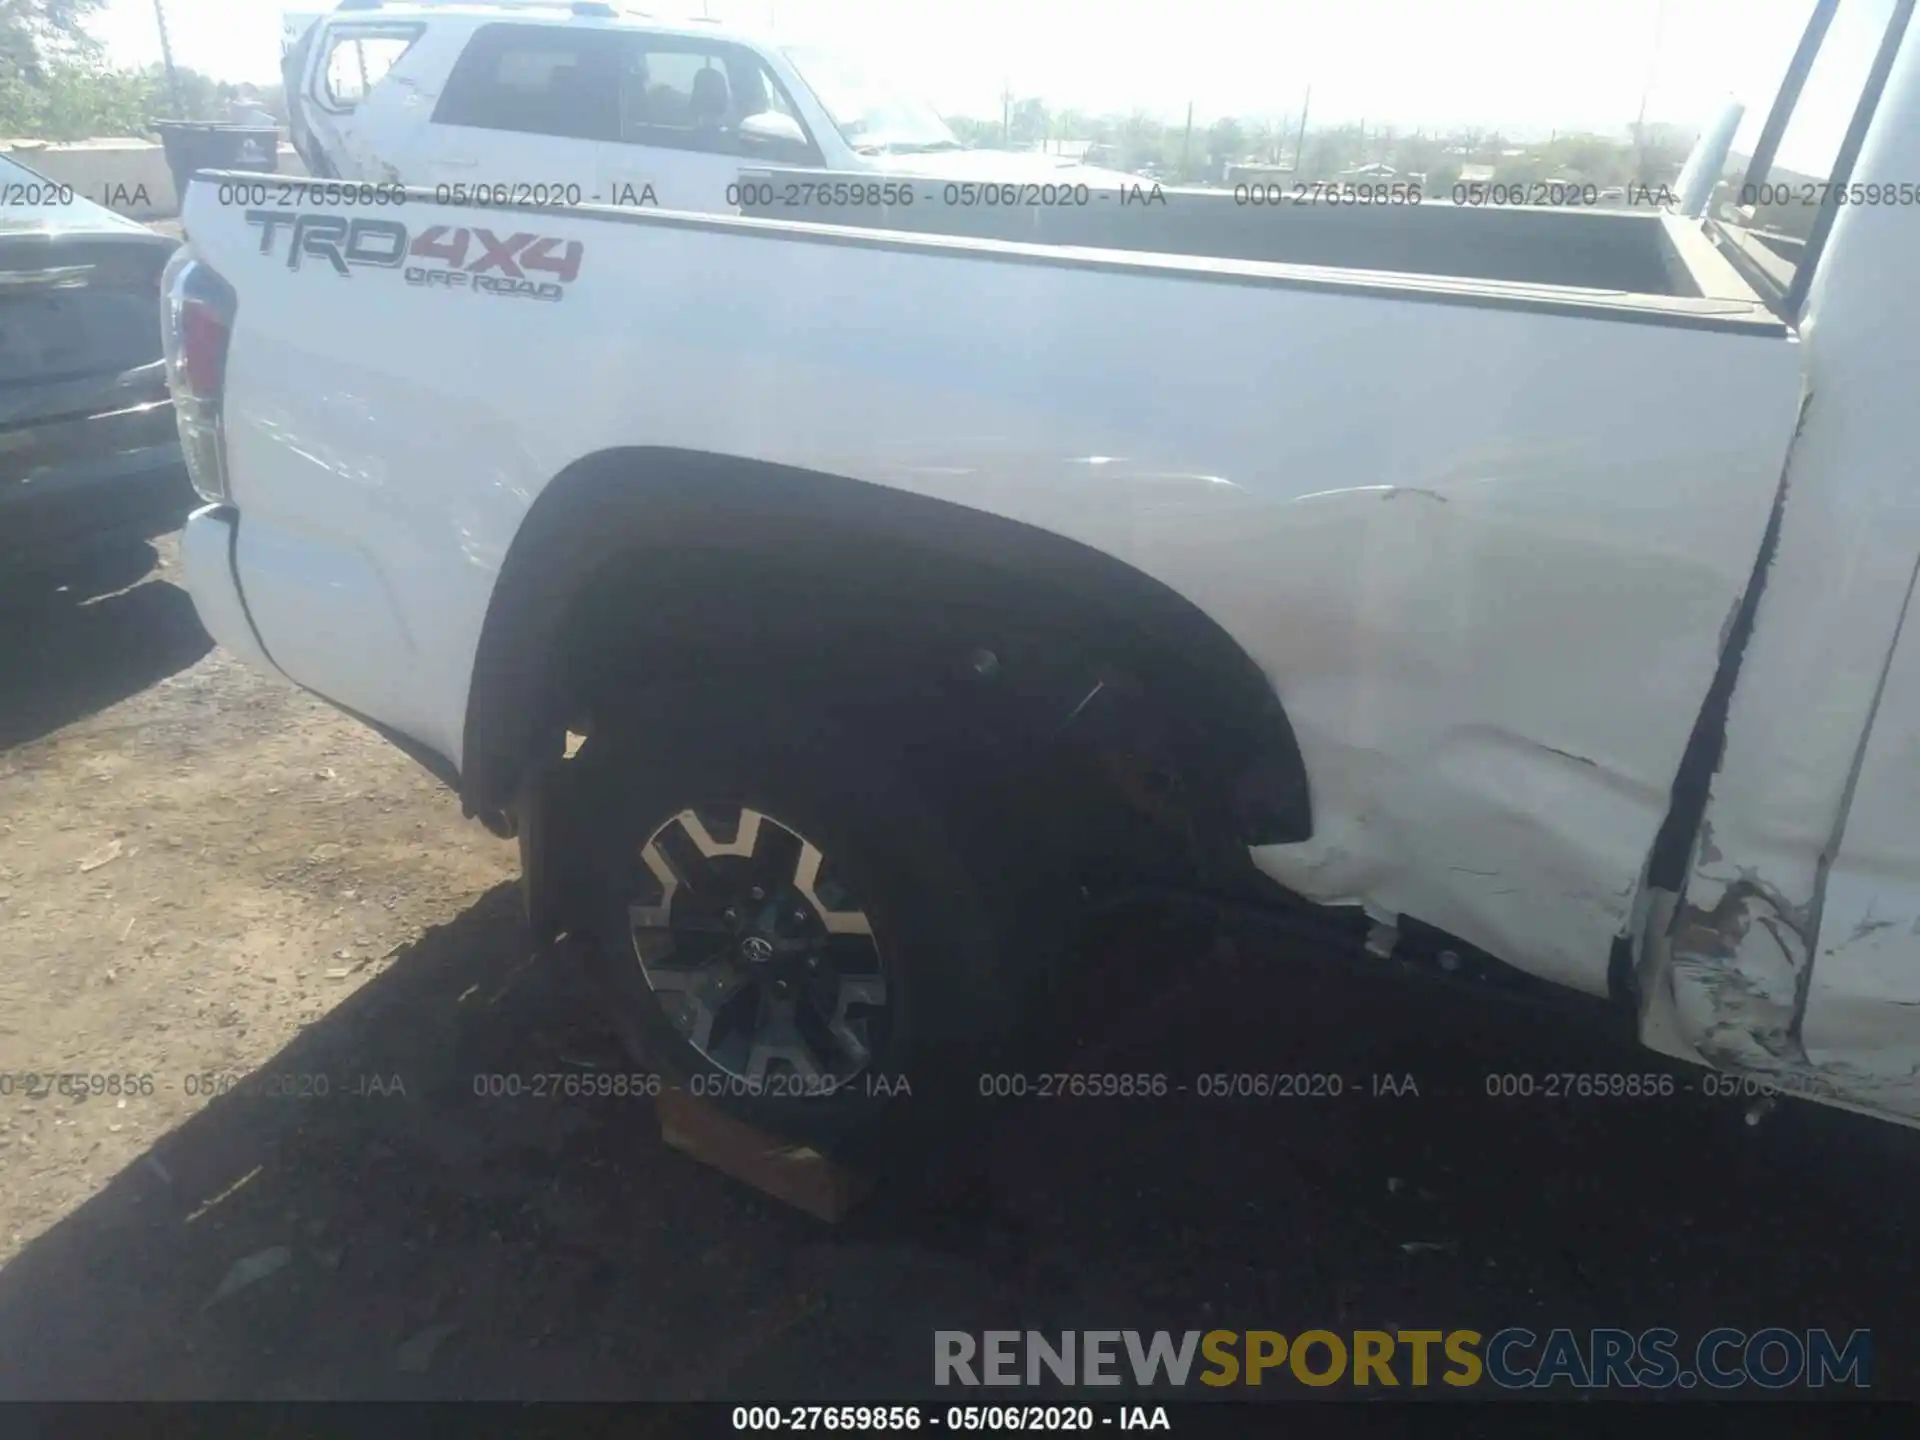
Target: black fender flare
622, 502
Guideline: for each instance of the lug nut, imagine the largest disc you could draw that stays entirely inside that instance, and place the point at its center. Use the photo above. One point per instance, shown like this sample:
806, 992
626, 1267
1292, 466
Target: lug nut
732, 917
757, 893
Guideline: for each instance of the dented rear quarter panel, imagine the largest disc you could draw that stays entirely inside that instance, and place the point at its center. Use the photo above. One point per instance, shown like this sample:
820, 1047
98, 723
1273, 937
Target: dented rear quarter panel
1521, 652
1484, 542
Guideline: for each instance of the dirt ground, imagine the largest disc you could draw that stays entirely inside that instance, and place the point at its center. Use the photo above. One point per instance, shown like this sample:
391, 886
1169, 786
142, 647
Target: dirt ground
188, 879
209, 879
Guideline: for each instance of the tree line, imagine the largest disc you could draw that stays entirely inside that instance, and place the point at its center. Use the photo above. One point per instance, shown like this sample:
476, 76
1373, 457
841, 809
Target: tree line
1139, 141
55, 83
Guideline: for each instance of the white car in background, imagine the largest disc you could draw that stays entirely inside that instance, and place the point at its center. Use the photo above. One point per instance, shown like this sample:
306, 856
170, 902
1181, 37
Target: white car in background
604, 104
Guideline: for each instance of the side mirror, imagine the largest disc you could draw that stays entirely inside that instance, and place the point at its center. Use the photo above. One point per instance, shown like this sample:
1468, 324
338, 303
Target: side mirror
770, 130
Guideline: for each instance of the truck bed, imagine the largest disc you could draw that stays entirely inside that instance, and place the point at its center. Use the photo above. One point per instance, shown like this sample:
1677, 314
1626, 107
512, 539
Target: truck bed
1639, 252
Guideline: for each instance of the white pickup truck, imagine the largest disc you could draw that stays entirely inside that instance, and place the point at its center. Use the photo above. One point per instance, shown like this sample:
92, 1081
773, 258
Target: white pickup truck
535, 99
821, 602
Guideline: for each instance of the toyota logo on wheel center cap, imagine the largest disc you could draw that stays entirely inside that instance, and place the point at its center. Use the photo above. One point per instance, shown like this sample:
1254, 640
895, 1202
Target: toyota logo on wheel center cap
757, 948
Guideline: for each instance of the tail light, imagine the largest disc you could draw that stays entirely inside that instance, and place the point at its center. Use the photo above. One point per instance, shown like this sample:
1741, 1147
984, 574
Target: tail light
197, 310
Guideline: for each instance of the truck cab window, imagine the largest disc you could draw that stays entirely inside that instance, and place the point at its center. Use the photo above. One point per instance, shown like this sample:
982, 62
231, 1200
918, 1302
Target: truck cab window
534, 79
680, 95
358, 61
676, 89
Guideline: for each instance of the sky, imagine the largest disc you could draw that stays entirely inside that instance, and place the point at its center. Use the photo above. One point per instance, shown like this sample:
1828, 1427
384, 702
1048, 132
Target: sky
1522, 65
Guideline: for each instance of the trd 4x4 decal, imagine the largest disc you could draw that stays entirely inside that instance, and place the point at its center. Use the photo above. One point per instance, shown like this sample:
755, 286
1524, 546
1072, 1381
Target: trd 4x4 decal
450, 257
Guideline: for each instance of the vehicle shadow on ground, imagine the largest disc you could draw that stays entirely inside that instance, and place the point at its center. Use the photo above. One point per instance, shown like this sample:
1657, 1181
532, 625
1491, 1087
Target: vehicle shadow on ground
445, 1243
76, 639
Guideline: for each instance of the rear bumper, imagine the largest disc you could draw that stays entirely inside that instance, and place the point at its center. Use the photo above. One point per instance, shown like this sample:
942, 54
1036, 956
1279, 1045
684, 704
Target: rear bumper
208, 547
206, 557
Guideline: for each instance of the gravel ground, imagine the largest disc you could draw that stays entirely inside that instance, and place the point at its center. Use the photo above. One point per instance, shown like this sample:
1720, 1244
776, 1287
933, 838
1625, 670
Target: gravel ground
208, 878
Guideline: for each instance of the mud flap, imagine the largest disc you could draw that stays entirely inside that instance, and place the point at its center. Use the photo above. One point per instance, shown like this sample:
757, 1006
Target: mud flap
546, 827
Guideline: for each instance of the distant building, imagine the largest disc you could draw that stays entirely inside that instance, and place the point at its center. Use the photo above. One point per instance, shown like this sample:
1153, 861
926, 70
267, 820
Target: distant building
1476, 174
1071, 149
1237, 173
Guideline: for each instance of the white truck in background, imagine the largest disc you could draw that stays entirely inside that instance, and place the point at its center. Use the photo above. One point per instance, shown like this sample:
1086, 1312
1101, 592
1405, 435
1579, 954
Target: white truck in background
821, 600
586, 102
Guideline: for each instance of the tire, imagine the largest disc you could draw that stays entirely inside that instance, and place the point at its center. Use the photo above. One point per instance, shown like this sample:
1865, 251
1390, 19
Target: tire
666, 787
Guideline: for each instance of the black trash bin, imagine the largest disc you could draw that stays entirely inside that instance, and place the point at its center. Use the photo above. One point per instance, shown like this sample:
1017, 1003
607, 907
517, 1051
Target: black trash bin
192, 145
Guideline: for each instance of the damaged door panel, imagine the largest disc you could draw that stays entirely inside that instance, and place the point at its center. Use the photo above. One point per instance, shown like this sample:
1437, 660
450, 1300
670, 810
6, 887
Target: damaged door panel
347, 86
1818, 989
1793, 948
1860, 1023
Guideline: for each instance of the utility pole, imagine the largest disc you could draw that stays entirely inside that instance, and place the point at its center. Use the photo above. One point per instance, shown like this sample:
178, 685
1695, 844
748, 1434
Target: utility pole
166, 57
1640, 123
1300, 145
1006, 113
1186, 144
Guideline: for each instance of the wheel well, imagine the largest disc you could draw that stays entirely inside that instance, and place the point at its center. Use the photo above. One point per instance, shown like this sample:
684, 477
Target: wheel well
688, 562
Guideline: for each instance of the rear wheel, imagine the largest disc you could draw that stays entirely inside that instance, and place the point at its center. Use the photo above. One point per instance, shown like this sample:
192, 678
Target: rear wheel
781, 922
761, 958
